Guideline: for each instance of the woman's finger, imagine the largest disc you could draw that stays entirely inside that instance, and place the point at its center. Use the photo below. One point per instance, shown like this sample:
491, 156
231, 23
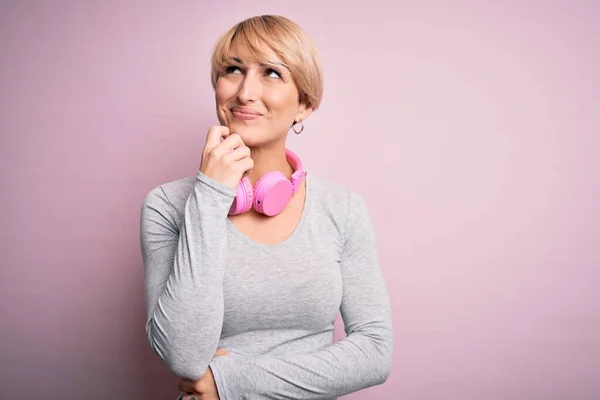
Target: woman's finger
221, 352
185, 385
192, 396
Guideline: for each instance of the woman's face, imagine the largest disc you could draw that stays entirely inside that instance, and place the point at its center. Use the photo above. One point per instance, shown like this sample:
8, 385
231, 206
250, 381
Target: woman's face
258, 102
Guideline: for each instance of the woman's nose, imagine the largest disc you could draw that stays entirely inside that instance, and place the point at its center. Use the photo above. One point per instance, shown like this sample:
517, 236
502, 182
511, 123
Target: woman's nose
250, 89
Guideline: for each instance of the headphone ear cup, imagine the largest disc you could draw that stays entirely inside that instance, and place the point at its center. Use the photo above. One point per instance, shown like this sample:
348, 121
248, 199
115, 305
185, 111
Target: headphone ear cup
272, 193
244, 198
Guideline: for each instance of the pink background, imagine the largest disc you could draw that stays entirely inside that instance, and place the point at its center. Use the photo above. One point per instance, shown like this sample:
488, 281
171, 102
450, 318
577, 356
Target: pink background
471, 130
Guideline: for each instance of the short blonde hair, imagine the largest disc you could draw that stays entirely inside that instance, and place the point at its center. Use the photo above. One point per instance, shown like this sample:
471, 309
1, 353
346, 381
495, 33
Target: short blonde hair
288, 41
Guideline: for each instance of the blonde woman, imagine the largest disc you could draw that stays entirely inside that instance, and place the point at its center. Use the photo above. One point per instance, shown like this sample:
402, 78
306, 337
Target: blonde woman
248, 261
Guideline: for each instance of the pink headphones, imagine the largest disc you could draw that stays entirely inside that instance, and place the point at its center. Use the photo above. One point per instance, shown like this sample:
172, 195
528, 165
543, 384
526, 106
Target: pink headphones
271, 193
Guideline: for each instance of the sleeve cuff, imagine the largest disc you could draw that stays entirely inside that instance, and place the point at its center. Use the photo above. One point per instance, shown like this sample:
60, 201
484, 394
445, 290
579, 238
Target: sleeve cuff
218, 186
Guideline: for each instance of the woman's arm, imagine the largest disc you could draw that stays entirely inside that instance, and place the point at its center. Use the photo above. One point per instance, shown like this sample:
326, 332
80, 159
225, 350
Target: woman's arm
184, 274
360, 360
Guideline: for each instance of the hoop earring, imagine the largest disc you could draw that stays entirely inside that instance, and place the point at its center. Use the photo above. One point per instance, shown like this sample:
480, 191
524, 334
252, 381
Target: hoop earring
301, 128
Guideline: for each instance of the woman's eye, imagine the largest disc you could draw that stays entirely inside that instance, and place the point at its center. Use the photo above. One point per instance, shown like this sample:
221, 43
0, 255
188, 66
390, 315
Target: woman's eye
271, 73
232, 69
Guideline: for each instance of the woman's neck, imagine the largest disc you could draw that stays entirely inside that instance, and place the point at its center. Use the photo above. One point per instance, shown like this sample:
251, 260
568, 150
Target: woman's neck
269, 159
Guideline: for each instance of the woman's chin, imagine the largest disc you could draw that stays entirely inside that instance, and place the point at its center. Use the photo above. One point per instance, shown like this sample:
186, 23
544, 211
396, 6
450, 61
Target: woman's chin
253, 140
251, 137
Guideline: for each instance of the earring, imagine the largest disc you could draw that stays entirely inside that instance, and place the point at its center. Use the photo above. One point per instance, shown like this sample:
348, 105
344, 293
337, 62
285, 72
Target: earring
301, 128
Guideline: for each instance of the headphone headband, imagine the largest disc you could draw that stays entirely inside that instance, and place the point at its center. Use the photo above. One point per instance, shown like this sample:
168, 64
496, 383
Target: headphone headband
299, 173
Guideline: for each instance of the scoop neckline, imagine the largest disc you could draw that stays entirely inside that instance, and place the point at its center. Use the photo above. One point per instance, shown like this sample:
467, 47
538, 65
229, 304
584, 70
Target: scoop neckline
261, 246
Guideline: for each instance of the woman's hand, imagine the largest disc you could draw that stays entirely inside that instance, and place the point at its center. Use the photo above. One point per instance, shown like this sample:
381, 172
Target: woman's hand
204, 388
227, 161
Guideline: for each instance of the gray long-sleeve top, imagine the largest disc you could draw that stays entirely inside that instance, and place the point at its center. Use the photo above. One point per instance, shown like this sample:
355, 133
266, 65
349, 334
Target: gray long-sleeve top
273, 307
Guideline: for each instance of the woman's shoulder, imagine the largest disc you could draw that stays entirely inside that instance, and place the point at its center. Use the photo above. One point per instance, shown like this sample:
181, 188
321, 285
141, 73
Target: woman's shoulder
335, 198
171, 194
342, 207
329, 190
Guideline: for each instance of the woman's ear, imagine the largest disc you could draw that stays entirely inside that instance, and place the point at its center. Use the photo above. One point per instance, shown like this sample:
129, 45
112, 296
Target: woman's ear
303, 113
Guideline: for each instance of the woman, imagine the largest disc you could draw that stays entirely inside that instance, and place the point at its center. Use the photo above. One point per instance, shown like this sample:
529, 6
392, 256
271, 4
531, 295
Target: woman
247, 262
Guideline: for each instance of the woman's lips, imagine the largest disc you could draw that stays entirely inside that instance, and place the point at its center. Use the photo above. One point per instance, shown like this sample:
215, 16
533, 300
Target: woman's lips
245, 114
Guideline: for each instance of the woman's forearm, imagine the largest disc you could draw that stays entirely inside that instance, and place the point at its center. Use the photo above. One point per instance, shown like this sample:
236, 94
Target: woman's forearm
184, 275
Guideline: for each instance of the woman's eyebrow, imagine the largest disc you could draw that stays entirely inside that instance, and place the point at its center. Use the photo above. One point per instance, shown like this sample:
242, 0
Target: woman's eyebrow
274, 63
269, 64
